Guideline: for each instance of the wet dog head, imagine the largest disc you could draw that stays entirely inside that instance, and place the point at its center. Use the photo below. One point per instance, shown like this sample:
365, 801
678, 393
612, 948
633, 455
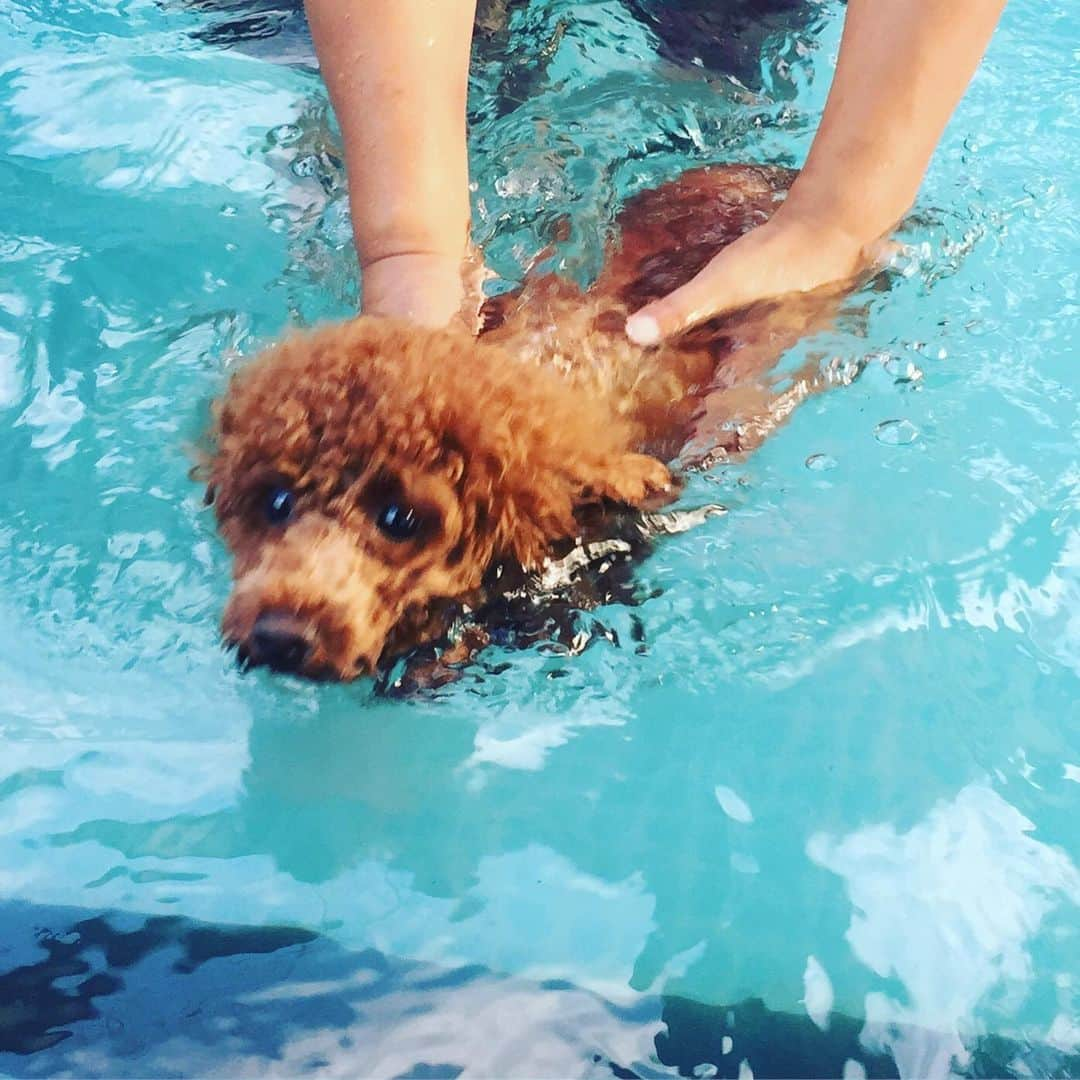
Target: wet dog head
367, 473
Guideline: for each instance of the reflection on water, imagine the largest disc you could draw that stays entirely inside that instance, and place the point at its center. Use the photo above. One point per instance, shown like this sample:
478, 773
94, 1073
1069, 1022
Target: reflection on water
972, 888
129, 995
468, 855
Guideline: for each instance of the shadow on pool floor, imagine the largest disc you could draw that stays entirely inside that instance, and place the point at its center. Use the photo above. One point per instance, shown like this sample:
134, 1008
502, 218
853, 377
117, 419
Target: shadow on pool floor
123, 995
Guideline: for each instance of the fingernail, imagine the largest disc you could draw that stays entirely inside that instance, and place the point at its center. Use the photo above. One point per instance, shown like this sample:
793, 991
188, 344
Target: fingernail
643, 330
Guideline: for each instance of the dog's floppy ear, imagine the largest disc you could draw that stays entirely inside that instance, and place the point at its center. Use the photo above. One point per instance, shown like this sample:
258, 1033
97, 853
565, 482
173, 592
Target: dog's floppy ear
540, 447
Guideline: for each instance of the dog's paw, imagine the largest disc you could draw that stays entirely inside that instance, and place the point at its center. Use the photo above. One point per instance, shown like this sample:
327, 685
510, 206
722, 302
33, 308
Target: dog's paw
639, 480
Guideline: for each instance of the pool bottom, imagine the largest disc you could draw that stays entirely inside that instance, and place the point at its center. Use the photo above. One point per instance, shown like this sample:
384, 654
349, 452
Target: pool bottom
108, 994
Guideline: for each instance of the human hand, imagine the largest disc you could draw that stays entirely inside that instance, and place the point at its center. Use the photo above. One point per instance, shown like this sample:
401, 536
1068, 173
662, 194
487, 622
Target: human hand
788, 254
429, 289
423, 288
902, 67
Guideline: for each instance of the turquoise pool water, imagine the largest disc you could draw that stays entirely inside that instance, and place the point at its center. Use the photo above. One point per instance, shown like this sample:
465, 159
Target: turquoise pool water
824, 820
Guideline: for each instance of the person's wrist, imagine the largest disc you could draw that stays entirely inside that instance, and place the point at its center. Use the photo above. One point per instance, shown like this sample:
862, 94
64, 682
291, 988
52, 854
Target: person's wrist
838, 213
422, 287
383, 228
842, 244
430, 288
410, 258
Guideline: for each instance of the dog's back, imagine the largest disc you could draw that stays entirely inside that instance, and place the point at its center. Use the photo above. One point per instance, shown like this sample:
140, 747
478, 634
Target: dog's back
664, 237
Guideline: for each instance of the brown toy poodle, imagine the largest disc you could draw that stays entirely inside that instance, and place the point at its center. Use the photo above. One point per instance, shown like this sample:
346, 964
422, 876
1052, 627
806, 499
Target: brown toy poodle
372, 479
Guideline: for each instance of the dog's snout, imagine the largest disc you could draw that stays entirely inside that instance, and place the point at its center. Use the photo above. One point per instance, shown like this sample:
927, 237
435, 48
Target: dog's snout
280, 641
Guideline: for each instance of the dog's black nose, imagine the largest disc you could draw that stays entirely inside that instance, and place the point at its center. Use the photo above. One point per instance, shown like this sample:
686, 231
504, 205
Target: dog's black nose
280, 640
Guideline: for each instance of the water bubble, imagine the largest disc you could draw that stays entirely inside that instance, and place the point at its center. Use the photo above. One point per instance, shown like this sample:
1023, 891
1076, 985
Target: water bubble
705, 1071
531, 180
821, 462
228, 210
335, 225
896, 432
283, 135
903, 371
306, 166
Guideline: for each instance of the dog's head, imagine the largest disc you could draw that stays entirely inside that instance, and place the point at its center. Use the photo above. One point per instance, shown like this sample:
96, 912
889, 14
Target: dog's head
367, 473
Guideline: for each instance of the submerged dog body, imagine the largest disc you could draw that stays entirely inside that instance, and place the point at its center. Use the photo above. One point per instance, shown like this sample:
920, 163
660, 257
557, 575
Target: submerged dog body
371, 477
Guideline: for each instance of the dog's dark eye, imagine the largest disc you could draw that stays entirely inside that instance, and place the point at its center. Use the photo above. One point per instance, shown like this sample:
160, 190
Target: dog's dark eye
279, 505
398, 521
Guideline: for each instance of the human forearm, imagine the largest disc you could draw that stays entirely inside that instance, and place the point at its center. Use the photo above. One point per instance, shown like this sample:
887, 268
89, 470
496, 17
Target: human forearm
397, 73
902, 69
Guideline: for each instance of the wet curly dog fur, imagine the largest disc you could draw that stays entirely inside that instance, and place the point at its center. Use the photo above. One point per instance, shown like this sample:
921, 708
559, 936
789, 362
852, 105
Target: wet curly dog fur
370, 477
